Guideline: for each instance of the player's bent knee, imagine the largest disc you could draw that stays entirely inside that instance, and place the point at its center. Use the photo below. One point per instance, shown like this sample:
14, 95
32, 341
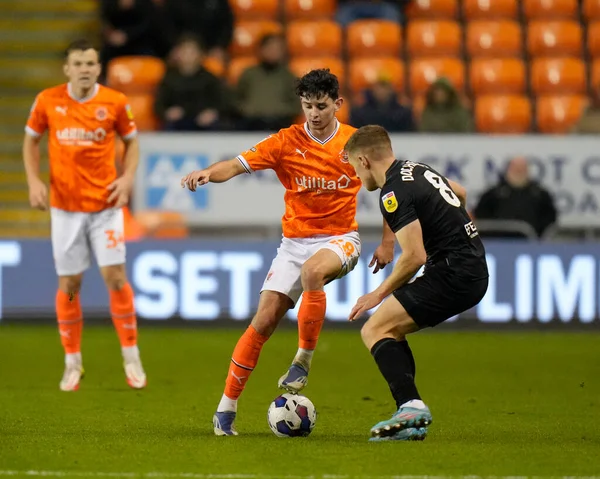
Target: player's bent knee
115, 277
313, 275
70, 284
271, 308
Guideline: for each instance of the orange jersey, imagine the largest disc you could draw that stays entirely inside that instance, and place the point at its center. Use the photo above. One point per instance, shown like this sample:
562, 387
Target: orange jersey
321, 186
81, 143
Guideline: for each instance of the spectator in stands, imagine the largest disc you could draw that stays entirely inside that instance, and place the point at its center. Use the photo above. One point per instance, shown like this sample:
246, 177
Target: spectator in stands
128, 28
210, 20
444, 112
351, 10
518, 197
265, 92
589, 123
382, 107
189, 96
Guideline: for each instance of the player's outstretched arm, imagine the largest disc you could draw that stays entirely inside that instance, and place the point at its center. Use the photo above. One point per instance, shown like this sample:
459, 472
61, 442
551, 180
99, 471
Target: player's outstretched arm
460, 191
216, 173
38, 192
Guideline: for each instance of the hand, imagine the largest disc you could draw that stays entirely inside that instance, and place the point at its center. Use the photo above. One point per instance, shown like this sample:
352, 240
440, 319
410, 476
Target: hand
195, 179
174, 113
121, 189
117, 38
207, 117
364, 304
384, 255
38, 194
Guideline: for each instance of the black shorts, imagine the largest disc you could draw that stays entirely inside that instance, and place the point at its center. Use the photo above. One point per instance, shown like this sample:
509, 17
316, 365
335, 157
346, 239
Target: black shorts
447, 288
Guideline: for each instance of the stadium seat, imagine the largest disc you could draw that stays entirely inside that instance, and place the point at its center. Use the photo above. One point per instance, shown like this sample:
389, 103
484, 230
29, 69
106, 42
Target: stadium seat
135, 74
595, 74
558, 76
255, 9
593, 38
314, 38
247, 35
237, 66
301, 66
433, 38
214, 65
163, 224
369, 38
365, 71
309, 9
503, 114
494, 38
554, 38
490, 9
550, 9
424, 71
142, 106
591, 9
498, 76
559, 114
419, 9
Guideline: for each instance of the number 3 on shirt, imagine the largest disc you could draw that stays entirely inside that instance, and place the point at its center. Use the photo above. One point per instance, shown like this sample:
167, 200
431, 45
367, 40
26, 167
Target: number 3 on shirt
442, 187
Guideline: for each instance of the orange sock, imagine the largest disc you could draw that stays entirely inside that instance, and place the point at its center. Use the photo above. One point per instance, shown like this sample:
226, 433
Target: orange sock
122, 310
243, 361
310, 318
70, 321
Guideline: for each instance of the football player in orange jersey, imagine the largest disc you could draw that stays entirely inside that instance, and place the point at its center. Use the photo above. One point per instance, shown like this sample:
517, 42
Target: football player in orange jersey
86, 199
320, 234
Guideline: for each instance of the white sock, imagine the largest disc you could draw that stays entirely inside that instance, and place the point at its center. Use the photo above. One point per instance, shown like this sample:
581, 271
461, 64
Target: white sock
227, 404
73, 359
304, 357
130, 353
416, 403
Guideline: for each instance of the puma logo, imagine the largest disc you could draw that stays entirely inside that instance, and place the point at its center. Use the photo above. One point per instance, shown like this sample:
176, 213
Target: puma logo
239, 378
62, 109
302, 153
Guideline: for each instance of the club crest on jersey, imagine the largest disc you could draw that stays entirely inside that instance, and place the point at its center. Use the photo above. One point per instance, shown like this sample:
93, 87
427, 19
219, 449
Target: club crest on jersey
129, 112
101, 113
390, 203
344, 156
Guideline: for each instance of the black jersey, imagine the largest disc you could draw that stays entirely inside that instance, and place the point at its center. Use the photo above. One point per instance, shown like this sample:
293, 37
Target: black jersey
416, 191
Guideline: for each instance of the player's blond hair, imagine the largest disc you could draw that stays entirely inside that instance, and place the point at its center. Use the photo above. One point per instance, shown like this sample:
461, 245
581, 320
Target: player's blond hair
370, 138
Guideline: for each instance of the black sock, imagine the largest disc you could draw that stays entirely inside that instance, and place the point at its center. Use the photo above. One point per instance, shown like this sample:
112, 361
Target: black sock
409, 353
396, 364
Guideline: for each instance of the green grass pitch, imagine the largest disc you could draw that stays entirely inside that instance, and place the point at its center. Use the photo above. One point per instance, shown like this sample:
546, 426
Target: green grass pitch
522, 404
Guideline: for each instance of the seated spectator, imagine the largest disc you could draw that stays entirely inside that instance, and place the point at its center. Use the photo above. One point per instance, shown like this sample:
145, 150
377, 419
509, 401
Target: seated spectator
190, 97
444, 112
518, 197
589, 123
265, 92
382, 107
351, 10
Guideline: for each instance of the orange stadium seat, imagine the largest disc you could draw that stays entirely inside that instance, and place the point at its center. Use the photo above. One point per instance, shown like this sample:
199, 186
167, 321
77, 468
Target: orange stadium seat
364, 72
558, 76
490, 9
498, 76
591, 9
554, 38
593, 38
301, 66
135, 74
214, 65
595, 74
309, 9
314, 38
559, 9
433, 38
369, 38
432, 9
142, 106
494, 38
503, 114
247, 35
559, 114
259, 9
424, 71
237, 66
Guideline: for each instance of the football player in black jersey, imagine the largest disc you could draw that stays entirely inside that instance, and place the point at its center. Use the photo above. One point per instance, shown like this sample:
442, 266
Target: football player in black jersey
427, 214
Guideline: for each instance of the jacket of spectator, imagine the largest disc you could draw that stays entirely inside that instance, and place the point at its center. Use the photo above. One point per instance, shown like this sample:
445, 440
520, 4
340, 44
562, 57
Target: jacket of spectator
129, 26
383, 108
443, 112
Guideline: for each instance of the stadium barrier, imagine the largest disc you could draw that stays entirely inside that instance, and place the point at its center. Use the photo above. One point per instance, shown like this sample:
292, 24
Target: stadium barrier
539, 285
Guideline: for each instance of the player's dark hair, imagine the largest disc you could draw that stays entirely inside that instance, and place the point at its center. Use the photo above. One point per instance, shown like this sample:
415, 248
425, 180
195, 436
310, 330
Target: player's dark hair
317, 84
79, 45
369, 137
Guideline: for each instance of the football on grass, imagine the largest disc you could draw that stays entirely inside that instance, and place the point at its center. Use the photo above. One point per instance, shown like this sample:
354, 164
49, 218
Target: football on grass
291, 415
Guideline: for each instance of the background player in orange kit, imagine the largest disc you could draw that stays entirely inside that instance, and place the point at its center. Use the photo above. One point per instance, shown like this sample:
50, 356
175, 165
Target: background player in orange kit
320, 234
86, 199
